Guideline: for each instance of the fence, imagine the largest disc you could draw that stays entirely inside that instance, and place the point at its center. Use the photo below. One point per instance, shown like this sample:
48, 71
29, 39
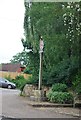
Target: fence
13, 74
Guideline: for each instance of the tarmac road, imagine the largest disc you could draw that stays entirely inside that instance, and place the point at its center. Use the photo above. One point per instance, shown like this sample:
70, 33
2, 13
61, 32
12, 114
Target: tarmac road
14, 106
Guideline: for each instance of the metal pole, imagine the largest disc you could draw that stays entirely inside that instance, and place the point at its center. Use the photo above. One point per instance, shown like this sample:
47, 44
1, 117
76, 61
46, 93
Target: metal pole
40, 71
41, 62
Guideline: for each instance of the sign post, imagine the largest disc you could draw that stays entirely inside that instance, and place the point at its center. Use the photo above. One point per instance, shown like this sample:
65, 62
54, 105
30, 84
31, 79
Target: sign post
40, 94
40, 69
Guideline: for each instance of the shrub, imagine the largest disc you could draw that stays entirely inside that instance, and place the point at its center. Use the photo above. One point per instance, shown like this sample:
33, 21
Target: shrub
78, 89
20, 81
60, 97
58, 94
31, 80
19, 77
77, 84
49, 94
27, 71
59, 87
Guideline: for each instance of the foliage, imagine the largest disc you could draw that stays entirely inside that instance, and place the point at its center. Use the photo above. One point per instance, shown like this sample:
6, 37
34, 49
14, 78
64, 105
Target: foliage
20, 58
30, 80
49, 94
60, 26
59, 94
72, 23
78, 89
60, 97
20, 81
57, 23
27, 70
59, 87
36, 15
77, 83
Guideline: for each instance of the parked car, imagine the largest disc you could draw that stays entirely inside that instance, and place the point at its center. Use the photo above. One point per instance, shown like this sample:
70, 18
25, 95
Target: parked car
4, 83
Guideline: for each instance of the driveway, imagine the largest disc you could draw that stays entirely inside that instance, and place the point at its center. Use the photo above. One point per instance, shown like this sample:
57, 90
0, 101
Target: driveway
15, 106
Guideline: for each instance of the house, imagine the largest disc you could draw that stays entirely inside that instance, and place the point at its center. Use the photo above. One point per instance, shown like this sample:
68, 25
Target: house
12, 67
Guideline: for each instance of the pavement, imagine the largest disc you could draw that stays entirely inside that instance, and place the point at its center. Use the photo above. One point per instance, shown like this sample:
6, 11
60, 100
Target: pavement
67, 109
22, 107
16, 106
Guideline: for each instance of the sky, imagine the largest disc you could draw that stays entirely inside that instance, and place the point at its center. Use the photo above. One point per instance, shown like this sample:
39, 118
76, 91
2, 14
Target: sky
11, 28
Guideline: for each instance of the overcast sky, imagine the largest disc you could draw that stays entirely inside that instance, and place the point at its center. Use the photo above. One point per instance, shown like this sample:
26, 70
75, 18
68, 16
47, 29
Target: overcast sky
11, 28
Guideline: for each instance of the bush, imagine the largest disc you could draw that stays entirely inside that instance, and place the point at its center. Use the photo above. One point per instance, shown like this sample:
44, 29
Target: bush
60, 97
78, 89
20, 82
19, 77
58, 94
77, 84
27, 71
59, 87
30, 80
49, 95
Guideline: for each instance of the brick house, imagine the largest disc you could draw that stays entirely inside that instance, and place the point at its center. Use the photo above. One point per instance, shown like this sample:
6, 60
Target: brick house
12, 67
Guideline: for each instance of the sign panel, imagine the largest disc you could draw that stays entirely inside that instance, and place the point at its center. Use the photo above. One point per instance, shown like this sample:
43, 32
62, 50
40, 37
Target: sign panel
41, 45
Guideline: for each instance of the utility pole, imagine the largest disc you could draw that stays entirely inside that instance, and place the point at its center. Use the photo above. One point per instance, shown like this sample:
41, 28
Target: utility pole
41, 63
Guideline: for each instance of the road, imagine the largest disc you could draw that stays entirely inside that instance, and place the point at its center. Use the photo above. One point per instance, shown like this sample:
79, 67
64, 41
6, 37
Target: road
15, 106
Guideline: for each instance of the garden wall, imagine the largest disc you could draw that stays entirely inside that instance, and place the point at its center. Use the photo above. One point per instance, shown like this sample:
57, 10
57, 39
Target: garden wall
12, 74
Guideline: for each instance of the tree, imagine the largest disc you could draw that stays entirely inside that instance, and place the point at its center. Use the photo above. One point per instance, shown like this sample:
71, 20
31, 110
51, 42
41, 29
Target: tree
57, 24
46, 20
72, 22
20, 58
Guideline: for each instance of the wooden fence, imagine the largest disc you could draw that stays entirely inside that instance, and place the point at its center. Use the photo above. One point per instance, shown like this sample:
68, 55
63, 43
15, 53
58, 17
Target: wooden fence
13, 74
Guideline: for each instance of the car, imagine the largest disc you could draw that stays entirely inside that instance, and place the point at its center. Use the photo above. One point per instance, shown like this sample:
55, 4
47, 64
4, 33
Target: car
4, 83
